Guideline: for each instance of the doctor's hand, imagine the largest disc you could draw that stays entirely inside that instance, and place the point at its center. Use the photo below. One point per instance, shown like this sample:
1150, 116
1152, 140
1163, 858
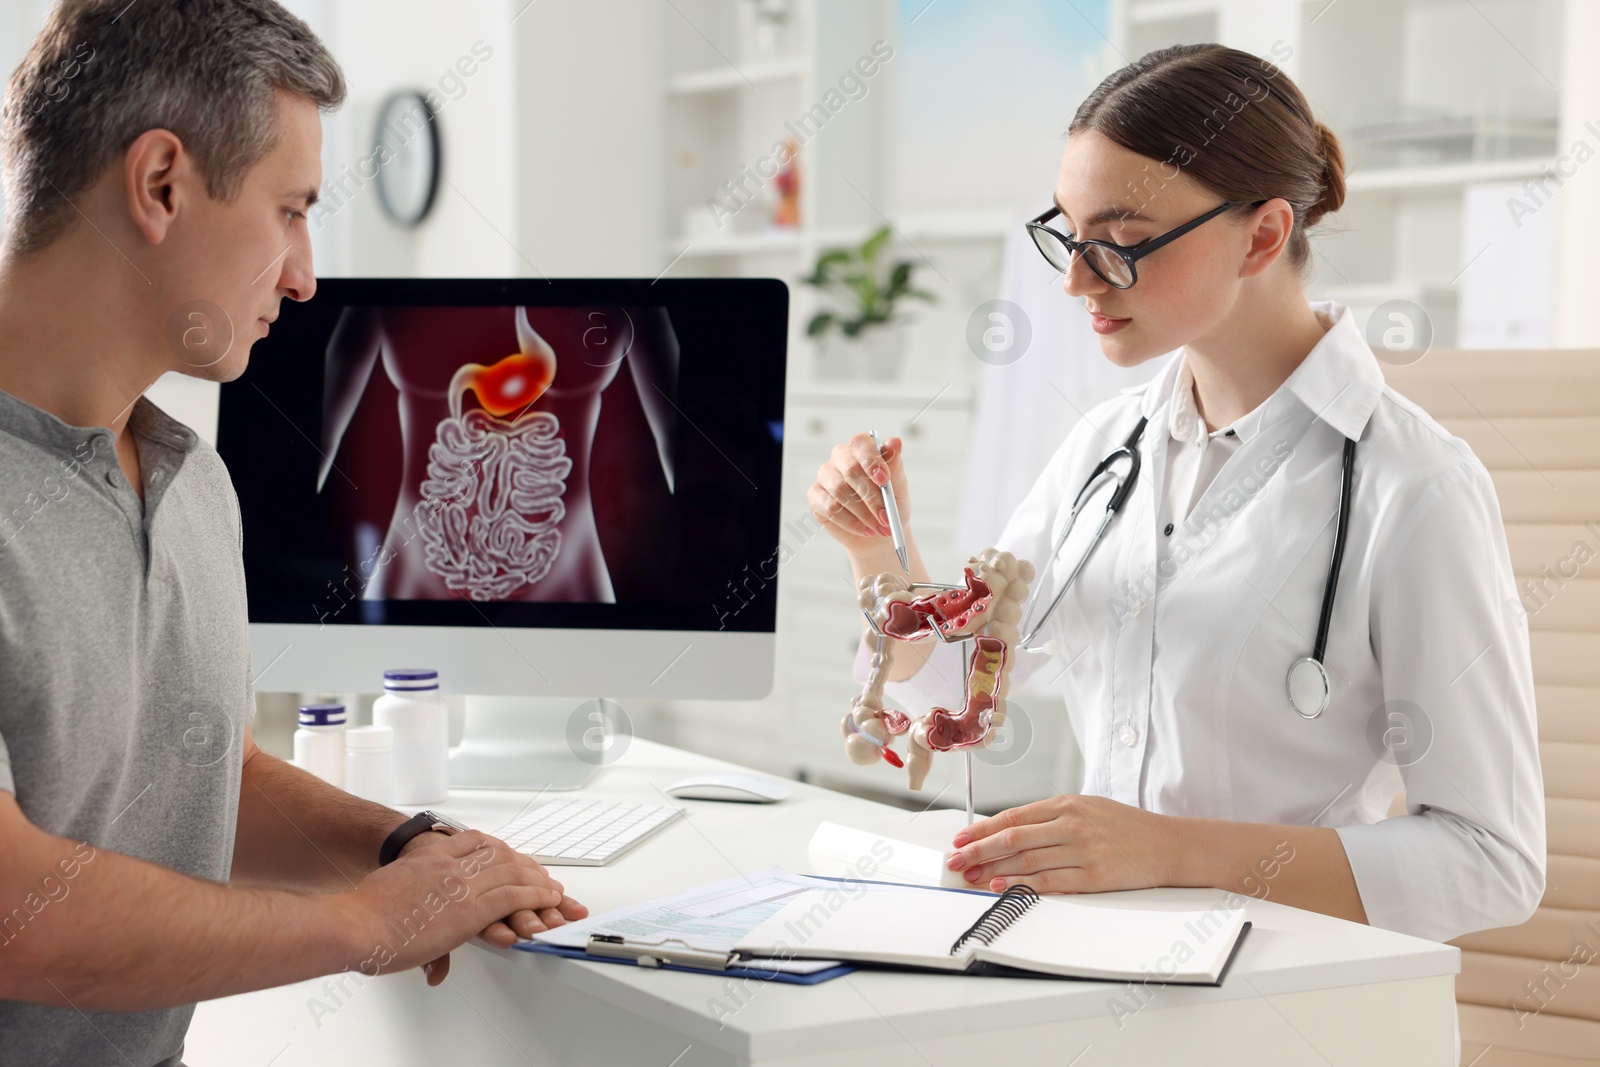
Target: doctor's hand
1066, 844
847, 498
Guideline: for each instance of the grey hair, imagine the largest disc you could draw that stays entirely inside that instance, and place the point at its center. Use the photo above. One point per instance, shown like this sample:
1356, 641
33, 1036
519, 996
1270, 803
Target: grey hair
102, 72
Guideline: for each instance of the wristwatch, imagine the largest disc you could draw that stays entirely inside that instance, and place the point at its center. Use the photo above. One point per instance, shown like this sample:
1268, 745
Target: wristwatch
420, 823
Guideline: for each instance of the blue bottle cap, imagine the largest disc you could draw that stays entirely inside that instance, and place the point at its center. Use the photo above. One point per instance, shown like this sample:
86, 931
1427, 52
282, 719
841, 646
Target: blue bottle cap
322, 715
410, 678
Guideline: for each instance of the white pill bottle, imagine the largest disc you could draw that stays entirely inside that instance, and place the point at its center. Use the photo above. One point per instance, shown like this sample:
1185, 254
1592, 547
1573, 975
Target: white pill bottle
369, 763
319, 742
415, 710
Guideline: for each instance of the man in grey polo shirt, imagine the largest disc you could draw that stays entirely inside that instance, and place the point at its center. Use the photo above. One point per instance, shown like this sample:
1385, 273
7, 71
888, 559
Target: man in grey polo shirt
150, 855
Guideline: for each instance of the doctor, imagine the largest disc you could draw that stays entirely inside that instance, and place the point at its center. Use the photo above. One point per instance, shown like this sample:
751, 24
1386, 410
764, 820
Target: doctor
1190, 178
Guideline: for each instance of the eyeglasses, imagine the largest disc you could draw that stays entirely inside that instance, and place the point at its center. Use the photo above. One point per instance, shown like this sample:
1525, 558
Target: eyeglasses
1114, 263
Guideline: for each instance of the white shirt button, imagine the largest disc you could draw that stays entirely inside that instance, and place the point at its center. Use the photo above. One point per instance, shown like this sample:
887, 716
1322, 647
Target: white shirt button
1128, 734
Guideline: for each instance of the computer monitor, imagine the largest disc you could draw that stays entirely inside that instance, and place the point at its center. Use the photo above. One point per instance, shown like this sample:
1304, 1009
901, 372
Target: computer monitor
544, 489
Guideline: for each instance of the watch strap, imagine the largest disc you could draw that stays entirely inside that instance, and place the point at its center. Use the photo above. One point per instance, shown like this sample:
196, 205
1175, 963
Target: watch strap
420, 823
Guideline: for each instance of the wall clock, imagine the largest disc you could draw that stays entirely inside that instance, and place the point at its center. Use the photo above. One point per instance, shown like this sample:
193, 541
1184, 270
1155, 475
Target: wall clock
406, 147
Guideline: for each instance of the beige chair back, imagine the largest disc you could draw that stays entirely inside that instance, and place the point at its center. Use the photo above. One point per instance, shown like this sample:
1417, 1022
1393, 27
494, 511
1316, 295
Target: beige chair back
1529, 996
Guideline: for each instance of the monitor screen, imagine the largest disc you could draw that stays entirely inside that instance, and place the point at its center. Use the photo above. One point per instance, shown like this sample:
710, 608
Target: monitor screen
576, 454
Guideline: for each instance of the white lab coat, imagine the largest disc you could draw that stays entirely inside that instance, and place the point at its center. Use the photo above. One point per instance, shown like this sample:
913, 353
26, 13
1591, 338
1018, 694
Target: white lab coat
1172, 650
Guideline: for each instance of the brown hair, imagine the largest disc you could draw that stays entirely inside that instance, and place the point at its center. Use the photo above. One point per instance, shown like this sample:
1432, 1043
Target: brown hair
1230, 120
99, 75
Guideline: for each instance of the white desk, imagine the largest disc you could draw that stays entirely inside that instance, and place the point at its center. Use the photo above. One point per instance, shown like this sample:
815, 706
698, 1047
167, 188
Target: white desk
1304, 989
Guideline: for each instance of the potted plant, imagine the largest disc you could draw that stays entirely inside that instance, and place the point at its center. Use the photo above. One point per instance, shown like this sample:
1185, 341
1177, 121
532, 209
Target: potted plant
867, 295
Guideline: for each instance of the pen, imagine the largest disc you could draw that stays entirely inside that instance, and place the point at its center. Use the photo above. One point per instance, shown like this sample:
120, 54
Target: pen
656, 953
896, 531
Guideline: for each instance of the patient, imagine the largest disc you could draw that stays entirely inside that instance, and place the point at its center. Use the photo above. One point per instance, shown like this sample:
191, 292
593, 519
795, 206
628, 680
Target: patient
154, 856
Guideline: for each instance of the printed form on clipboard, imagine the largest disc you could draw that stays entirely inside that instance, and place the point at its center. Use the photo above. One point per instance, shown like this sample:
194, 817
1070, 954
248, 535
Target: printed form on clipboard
695, 926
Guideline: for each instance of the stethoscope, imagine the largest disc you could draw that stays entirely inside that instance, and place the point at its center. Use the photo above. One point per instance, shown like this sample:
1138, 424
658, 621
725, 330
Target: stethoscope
1307, 680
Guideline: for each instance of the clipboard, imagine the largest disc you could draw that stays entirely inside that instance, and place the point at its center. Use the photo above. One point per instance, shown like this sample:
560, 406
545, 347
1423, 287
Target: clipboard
785, 977
660, 954
662, 935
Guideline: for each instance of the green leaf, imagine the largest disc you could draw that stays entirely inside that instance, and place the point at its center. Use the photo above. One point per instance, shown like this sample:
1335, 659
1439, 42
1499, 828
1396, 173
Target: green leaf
823, 274
819, 322
900, 276
873, 244
866, 289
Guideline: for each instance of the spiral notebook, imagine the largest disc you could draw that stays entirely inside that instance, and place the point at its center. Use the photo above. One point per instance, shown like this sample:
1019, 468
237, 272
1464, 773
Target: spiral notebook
1018, 933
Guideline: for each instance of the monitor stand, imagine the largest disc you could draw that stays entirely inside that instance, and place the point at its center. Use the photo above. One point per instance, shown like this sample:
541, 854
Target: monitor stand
518, 743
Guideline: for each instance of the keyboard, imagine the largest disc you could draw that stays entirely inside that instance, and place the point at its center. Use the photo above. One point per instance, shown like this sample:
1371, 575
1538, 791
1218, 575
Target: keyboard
584, 833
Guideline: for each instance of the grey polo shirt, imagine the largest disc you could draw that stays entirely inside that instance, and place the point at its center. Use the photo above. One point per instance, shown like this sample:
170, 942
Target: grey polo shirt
124, 684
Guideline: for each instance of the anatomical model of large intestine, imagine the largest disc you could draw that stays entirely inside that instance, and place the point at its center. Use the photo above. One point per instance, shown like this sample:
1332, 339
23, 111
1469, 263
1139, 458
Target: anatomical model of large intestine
985, 610
498, 473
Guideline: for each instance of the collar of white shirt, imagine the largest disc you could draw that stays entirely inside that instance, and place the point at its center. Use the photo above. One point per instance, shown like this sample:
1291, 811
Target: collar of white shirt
1339, 381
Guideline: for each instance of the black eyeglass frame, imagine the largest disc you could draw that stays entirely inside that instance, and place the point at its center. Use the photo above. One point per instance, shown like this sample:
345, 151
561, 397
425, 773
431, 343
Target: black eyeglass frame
1129, 255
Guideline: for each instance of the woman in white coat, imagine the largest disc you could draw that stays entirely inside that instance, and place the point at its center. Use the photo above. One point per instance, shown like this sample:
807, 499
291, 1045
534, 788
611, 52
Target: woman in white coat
1173, 646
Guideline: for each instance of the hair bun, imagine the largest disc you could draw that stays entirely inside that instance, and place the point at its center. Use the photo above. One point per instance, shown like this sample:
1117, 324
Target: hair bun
1332, 197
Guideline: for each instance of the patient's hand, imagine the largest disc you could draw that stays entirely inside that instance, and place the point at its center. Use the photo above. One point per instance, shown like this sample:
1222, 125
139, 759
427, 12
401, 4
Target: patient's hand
1067, 844
517, 925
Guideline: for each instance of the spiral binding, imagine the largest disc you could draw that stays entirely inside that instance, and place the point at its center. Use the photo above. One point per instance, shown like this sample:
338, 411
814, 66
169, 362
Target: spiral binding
1011, 906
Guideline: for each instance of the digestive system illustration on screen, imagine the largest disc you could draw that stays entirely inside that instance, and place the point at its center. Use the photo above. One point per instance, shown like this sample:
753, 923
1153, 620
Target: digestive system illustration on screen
499, 472
983, 611
494, 500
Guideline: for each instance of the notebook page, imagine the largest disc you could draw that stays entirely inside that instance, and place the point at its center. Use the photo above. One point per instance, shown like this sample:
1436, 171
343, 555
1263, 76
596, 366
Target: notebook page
912, 926
1059, 937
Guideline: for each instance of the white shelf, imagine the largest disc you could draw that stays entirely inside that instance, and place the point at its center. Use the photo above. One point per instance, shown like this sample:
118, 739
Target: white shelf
1378, 292
1446, 175
733, 77
833, 395
736, 244
973, 225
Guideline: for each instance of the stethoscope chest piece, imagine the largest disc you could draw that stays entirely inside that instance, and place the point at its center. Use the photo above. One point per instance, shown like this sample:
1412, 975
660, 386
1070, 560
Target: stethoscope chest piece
1308, 687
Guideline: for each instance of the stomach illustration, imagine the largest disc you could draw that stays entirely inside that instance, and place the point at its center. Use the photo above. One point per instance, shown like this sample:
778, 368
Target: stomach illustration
496, 476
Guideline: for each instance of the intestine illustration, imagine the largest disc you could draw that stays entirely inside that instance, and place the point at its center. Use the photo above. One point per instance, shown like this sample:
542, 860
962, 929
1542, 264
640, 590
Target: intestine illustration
498, 473
984, 610
499, 430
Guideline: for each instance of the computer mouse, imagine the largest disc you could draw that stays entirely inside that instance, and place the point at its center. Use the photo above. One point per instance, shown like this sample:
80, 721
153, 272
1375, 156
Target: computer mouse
748, 788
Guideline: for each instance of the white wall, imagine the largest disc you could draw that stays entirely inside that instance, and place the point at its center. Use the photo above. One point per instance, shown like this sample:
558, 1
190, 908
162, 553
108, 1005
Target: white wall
1578, 201
587, 150
19, 25
417, 44
550, 146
